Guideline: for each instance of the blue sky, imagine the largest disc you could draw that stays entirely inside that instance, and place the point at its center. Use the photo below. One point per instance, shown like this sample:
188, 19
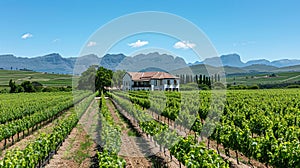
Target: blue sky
254, 29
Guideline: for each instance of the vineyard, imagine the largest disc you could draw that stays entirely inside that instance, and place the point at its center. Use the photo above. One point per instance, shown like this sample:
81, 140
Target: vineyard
261, 125
253, 128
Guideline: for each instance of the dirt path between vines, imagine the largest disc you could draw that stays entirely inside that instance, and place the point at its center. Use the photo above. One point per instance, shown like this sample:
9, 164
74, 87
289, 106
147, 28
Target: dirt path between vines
79, 148
132, 147
144, 143
23, 142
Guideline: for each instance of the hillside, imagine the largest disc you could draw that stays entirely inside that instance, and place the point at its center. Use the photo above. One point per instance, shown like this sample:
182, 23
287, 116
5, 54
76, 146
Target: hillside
295, 68
45, 79
259, 68
264, 78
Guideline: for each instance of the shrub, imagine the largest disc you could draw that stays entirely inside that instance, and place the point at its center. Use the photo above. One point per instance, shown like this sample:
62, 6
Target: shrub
293, 86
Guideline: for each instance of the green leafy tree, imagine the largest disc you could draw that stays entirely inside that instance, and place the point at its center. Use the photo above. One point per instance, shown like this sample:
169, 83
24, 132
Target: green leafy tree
87, 79
118, 78
28, 87
13, 86
103, 79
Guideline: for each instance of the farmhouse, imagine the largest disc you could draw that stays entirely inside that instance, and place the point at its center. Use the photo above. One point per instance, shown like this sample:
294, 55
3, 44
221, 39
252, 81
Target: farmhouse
150, 81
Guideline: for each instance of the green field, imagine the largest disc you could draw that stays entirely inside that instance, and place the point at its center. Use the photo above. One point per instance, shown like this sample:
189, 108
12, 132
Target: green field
249, 79
43, 78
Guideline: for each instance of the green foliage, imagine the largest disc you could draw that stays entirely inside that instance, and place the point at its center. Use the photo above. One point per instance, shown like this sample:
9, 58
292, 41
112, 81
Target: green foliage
117, 78
110, 139
253, 87
261, 124
188, 152
43, 78
97, 79
27, 86
56, 89
237, 87
110, 160
103, 79
196, 155
37, 86
188, 86
218, 85
293, 86
21, 111
36, 151
203, 87
13, 87
87, 79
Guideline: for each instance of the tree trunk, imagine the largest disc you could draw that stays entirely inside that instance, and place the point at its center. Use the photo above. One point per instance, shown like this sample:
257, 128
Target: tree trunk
208, 143
227, 153
4, 143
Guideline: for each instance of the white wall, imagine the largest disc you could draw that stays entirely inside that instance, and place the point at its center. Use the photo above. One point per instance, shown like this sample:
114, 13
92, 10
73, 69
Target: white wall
165, 85
127, 83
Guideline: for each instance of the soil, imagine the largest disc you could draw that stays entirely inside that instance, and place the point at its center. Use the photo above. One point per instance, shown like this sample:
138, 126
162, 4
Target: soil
78, 149
143, 145
131, 150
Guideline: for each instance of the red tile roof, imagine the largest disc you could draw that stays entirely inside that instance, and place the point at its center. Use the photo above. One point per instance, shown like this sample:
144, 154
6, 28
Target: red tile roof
147, 76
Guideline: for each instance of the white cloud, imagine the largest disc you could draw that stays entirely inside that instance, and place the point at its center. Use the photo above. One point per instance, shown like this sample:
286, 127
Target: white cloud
55, 40
26, 36
184, 45
91, 44
138, 43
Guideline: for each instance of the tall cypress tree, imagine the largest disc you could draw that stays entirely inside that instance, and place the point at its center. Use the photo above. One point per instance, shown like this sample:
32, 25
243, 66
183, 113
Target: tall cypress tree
215, 77
200, 79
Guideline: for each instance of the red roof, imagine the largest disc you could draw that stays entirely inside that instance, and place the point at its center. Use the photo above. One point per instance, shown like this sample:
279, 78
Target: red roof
147, 76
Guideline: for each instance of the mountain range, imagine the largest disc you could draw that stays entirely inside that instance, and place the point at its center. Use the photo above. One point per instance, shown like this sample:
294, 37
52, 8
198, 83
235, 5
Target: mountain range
232, 64
234, 60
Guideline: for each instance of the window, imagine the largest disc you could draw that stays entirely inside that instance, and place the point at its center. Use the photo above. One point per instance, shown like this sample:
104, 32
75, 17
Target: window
175, 82
155, 82
168, 82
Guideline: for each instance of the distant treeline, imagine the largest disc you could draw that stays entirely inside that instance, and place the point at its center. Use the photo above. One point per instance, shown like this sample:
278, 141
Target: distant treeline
206, 82
280, 85
29, 87
203, 81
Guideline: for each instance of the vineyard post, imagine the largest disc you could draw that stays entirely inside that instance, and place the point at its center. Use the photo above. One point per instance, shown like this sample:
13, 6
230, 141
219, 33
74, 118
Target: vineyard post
4, 143
237, 157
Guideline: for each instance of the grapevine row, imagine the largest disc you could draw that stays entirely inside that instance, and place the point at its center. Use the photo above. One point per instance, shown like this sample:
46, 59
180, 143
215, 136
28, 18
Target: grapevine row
46, 145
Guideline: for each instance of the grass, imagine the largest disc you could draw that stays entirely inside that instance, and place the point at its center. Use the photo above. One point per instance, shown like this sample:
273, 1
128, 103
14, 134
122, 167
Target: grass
249, 79
44, 78
132, 133
81, 153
